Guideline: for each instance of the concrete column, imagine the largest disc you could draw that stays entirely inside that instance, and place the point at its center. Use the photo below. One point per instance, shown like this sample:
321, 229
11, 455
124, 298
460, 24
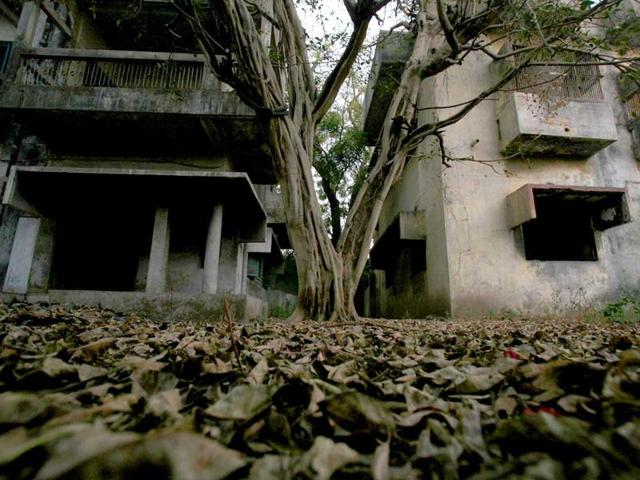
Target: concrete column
381, 292
22, 252
28, 24
212, 252
241, 269
159, 256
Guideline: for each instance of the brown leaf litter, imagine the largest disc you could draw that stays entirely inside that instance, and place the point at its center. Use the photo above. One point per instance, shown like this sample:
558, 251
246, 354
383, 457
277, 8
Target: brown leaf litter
90, 394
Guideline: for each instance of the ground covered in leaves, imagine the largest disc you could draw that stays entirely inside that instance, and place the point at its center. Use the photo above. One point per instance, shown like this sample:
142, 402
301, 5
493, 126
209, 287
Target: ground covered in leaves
91, 394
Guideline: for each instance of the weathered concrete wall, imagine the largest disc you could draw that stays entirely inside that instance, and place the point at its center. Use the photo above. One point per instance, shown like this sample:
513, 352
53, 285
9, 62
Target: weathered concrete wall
185, 272
124, 100
162, 307
488, 269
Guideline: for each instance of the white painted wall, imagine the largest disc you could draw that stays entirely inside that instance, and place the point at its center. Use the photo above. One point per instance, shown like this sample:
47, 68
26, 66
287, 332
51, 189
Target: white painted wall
488, 270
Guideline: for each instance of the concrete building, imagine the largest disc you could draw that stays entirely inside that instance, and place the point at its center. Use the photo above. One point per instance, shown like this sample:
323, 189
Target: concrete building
132, 178
547, 217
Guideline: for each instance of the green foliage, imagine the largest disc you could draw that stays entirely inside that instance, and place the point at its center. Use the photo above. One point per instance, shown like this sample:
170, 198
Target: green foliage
340, 161
625, 310
278, 311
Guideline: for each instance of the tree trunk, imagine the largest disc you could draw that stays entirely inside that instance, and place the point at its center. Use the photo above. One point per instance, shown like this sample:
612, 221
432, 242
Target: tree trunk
335, 212
328, 276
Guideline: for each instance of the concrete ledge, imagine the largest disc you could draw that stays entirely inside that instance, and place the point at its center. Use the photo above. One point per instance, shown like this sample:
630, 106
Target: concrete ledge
392, 52
202, 103
162, 307
554, 127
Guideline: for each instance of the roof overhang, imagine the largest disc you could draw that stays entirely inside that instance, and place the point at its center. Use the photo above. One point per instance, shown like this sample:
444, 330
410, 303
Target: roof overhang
608, 205
52, 192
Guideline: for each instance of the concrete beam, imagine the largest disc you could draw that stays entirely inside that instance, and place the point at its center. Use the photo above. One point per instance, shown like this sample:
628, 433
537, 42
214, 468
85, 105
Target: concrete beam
8, 12
22, 253
212, 251
159, 256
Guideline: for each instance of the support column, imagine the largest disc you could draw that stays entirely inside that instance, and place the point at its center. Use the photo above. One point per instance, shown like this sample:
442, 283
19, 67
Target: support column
159, 256
212, 252
28, 24
241, 269
22, 253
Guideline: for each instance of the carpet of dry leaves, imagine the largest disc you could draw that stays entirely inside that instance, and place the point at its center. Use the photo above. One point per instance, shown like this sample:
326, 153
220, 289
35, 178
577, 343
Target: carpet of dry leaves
91, 394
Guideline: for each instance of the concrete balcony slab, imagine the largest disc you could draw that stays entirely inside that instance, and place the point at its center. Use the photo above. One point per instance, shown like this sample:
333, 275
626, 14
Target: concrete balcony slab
532, 125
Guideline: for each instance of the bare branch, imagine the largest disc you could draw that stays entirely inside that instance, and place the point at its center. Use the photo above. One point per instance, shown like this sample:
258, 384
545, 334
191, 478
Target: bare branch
341, 71
448, 30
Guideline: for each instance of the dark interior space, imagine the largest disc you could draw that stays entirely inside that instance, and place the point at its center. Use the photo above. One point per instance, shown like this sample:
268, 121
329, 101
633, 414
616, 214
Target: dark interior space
562, 231
100, 250
188, 230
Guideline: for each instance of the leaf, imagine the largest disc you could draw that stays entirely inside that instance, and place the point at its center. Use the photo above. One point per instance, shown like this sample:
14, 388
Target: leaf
17, 408
472, 433
167, 402
356, 411
54, 367
326, 457
70, 452
259, 372
272, 467
479, 382
241, 403
180, 455
380, 462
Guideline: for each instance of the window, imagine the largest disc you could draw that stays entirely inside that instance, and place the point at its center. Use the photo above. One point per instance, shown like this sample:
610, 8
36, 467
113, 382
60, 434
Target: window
5, 51
562, 231
558, 79
559, 222
256, 268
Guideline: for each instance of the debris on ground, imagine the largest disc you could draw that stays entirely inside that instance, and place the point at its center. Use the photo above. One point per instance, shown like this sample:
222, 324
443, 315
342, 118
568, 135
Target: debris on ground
90, 394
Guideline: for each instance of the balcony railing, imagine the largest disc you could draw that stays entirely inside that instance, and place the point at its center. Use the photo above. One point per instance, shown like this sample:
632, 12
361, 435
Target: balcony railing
113, 69
561, 80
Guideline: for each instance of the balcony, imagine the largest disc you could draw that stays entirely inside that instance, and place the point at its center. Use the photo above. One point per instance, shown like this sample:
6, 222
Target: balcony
110, 102
555, 110
119, 81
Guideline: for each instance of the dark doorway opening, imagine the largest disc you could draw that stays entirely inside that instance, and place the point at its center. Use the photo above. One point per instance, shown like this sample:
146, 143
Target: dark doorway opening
100, 250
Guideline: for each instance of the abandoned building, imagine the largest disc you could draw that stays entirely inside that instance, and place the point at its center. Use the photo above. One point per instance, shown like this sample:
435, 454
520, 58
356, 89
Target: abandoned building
132, 178
540, 212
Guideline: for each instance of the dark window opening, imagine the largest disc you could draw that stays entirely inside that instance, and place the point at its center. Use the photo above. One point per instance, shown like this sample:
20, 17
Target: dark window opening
563, 230
5, 52
100, 250
188, 231
255, 267
408, 260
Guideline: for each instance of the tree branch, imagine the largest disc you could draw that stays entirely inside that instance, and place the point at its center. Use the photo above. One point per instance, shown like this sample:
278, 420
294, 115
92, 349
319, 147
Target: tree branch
361, 14
447, 28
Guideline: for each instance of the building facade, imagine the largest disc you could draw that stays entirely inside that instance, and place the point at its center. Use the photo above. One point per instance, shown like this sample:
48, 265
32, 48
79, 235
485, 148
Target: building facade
132, 178
538, 210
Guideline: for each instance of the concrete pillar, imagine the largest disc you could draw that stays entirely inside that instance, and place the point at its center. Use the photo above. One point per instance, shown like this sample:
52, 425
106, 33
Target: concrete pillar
212, 252
241, 269
159, 256
380, 280
22, 252
28, 24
